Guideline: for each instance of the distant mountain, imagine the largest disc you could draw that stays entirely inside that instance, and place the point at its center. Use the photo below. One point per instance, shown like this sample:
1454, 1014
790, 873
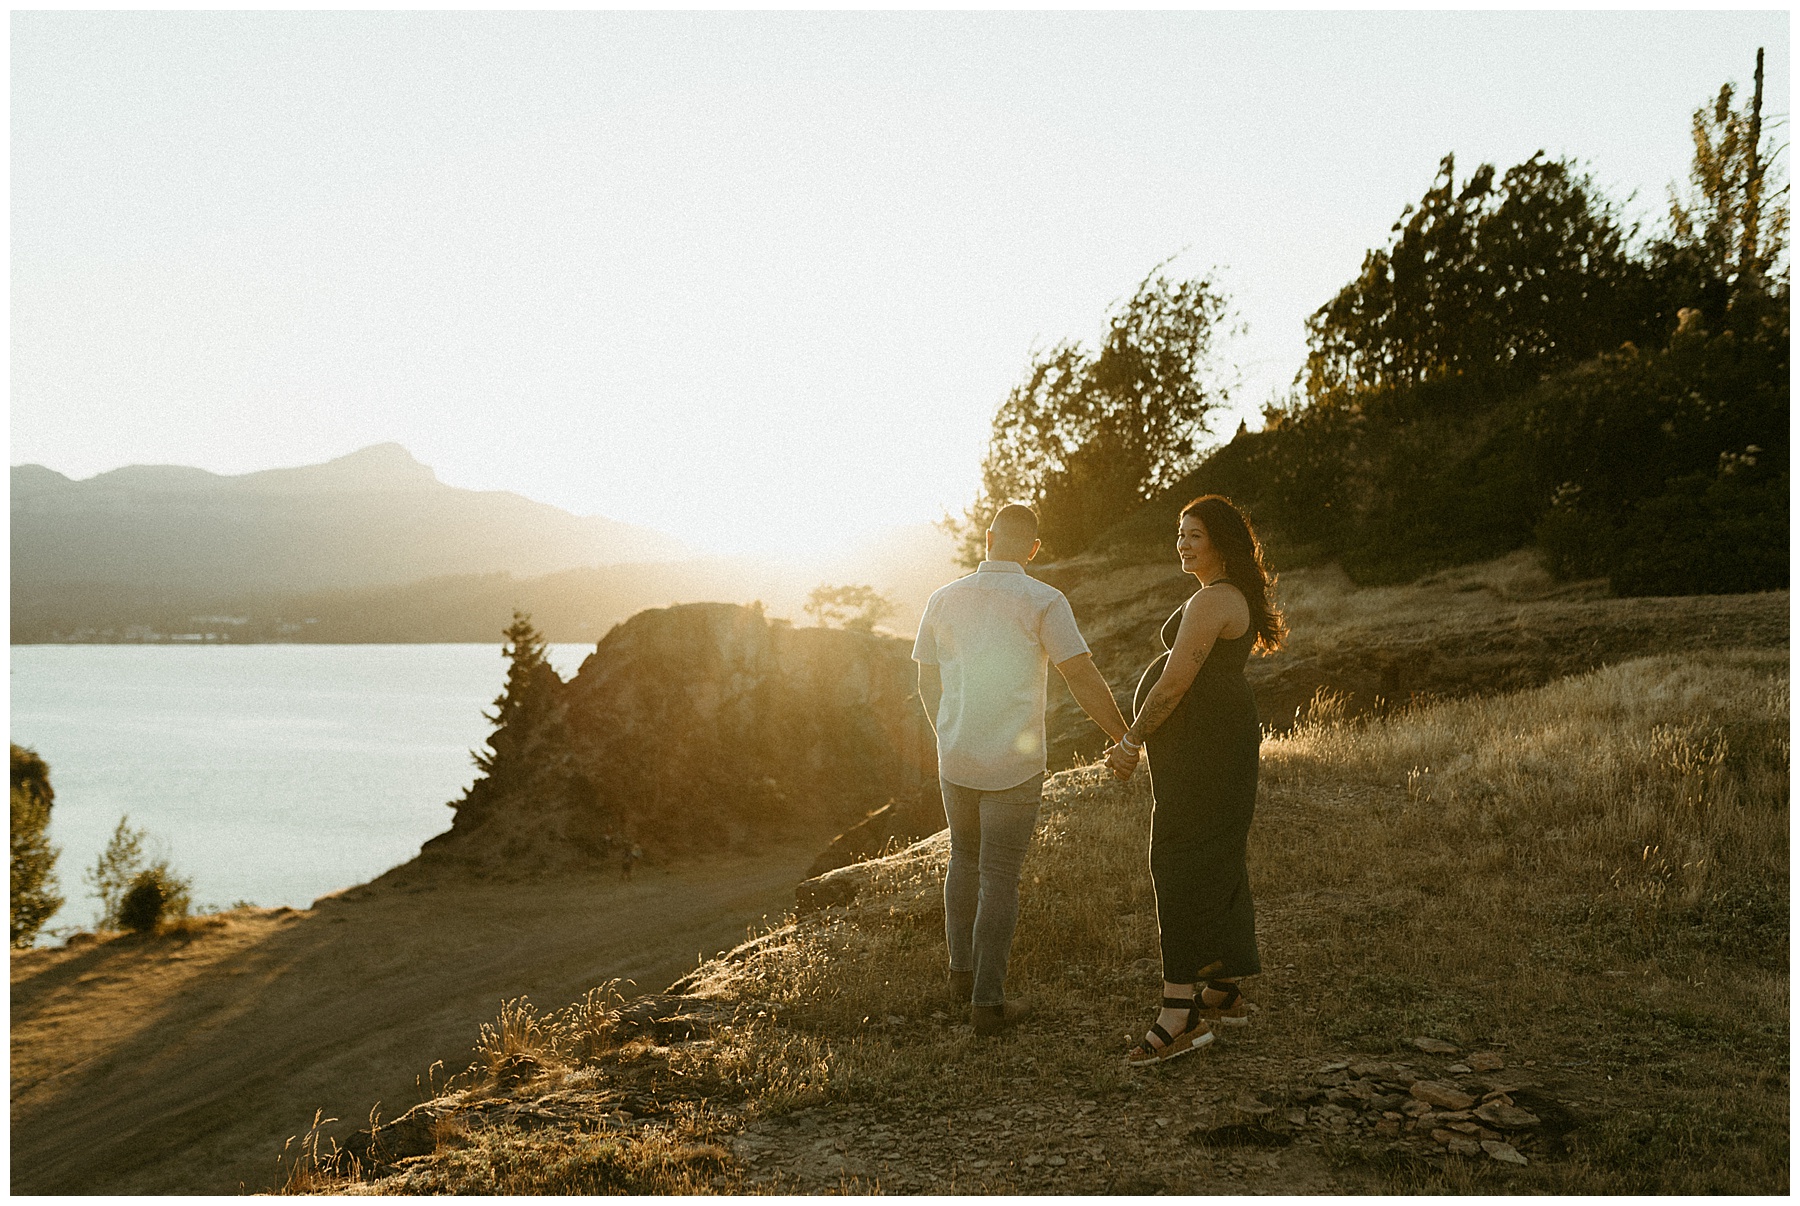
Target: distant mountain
373, 518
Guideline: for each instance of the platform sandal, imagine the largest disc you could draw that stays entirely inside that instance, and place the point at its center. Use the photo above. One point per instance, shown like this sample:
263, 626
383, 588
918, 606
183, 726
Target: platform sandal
1159, 1045
1232, 1011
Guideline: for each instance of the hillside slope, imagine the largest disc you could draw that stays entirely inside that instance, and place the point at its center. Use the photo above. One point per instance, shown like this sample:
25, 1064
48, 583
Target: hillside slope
1496, 626
180, 1064
1534, 943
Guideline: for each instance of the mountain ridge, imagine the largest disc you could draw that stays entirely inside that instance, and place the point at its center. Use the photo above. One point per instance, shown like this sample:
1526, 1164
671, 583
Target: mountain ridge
374, 517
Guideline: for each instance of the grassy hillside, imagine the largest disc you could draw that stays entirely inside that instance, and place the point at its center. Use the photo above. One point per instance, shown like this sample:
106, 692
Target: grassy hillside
1497, 626
1570, 900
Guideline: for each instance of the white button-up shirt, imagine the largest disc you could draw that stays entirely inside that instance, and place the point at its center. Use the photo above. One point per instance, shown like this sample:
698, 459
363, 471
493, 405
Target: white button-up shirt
992, 635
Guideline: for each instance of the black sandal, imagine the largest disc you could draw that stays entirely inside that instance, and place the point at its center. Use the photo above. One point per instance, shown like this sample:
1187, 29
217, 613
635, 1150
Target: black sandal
1195, 1034
1232, 1011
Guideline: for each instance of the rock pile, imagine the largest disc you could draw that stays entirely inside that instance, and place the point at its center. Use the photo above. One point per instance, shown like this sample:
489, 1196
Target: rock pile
1473, 1107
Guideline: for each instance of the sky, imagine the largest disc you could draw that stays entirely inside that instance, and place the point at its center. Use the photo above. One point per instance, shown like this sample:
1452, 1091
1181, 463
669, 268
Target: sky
758, 280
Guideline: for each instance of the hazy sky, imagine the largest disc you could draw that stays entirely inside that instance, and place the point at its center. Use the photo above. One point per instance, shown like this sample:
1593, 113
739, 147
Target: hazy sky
757, 279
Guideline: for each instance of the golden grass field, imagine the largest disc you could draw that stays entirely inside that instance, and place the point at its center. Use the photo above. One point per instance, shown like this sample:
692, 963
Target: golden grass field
1584, 881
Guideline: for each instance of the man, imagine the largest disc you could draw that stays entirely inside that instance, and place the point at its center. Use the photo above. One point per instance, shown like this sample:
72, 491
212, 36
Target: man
983, 646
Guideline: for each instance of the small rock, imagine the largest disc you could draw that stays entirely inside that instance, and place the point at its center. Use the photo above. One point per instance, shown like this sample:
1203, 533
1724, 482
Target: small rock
1336, 1065
1415, 1107
1297, 1117
1506, 1153
1467, 1128
1459, 1145
1033, 1160
1486, 1061
894, 1019
1434, 1046
1372, 1069
1458, 1069
1506, 1116
1146, 966
1055, 1161
1387, 1126
1437, 1093
1249, 1105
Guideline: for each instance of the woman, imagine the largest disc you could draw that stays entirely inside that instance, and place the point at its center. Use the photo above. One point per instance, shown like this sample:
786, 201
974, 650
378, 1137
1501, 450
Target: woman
1197, 716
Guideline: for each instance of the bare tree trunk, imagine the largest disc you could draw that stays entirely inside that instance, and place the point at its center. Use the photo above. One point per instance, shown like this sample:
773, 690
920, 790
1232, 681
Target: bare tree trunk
1748, 268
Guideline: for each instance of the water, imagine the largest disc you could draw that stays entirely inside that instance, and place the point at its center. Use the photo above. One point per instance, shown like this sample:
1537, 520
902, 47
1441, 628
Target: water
265, 773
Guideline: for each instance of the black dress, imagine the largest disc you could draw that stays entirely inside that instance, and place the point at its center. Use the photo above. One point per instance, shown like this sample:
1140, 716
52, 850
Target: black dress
1203, 762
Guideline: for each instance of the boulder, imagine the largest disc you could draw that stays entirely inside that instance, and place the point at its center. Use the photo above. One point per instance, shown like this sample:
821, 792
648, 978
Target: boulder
705, 726
1440, 1094
1506, 1153
899, 821
920, 862
1506, 1117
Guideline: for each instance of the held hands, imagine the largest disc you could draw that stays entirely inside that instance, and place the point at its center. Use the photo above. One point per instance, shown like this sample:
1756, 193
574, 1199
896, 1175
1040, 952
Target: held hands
1122, 760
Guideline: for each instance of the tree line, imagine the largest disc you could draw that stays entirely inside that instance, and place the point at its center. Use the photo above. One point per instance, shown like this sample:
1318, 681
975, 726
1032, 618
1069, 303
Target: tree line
1515, 364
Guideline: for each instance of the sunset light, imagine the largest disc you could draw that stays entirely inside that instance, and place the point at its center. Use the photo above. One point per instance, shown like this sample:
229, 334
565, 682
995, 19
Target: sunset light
929, 603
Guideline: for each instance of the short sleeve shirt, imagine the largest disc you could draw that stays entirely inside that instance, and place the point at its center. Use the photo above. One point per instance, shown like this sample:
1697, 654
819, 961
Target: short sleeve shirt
992, 635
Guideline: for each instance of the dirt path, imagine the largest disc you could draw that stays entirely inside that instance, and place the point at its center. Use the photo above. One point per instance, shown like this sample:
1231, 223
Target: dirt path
182, 1063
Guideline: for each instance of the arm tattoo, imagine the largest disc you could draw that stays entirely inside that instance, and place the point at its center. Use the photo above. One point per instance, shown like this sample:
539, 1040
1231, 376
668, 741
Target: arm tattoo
1156, 710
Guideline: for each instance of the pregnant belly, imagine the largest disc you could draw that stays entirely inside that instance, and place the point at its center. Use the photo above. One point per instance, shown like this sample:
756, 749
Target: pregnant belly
1147, 680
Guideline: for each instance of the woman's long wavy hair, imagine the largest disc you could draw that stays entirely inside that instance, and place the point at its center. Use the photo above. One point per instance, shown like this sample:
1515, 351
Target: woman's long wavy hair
1231, 533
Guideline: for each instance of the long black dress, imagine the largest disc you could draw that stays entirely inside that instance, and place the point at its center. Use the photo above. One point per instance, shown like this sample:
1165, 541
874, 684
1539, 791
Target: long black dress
1203, 762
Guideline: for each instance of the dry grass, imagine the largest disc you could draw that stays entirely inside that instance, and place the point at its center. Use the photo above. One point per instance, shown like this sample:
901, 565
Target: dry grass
1591, 876
1322, 602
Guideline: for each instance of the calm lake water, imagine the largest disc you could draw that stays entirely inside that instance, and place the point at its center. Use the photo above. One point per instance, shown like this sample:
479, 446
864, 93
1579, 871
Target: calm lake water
267, 773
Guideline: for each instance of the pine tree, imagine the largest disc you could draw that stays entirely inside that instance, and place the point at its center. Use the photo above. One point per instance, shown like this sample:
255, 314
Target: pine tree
529, 697
34, 894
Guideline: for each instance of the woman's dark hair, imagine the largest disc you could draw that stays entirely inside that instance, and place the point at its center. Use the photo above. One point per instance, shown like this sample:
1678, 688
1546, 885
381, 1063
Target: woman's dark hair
1231, 533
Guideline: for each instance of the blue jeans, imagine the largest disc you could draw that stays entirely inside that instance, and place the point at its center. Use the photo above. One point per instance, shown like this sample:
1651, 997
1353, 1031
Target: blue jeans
989, 834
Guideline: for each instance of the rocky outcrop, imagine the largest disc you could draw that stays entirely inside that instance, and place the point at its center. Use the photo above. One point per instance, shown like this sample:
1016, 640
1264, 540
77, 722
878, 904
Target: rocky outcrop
701, 727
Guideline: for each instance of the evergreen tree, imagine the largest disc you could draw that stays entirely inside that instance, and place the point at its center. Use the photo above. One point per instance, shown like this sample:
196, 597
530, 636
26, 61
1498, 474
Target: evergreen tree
528, 699
34, 895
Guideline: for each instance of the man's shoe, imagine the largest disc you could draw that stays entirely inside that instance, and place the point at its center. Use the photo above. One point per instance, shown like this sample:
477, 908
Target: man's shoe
993, 1019
962, 986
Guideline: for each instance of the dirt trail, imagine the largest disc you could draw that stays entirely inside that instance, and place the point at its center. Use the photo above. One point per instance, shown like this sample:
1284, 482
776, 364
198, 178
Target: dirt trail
182, 1063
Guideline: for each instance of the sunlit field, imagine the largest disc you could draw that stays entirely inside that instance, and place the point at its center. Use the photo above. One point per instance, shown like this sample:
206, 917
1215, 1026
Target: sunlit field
1588, 879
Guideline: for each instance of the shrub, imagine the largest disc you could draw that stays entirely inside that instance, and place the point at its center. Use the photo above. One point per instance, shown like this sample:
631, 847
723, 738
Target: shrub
120, 871
142, 907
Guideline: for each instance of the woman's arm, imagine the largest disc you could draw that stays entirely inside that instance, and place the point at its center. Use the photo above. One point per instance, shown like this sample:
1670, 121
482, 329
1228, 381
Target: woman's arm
1203, 619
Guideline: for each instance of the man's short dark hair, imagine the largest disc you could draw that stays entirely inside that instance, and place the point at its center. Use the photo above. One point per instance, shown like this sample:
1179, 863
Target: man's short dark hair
1015, 521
